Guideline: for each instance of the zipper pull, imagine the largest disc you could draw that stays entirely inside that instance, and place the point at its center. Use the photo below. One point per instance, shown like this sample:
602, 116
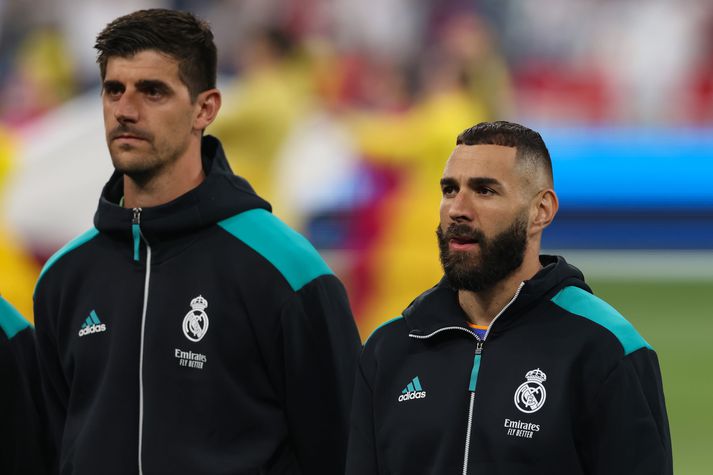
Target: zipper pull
137, 216
476, 366
136, 232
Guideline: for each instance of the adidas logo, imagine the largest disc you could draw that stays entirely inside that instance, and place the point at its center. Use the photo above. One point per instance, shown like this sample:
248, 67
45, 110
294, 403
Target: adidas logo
413, 390
92, 325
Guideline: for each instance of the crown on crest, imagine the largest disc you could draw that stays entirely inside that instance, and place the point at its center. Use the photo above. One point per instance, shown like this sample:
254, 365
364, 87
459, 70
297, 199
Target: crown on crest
199, 303
536, 375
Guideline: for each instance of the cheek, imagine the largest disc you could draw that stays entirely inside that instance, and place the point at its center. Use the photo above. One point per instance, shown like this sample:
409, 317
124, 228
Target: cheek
108, 115
443, 210
178, 122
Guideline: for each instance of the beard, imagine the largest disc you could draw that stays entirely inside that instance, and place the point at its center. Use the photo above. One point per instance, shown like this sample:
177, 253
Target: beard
499, 256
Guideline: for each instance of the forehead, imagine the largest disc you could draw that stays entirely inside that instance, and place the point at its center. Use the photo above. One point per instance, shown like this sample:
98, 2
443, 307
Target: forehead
144, 65
494, 161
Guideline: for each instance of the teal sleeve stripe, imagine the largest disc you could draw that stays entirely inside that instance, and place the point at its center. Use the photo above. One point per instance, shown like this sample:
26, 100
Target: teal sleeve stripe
383, 325
580, 302
11, 321
290, 252
71, 245
474, 373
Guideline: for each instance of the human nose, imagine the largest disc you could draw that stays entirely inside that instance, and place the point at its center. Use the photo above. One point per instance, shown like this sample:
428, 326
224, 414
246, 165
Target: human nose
460, 208
125, 109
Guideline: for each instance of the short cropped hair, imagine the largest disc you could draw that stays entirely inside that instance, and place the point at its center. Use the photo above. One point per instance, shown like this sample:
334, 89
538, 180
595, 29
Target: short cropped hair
177, 34
531, 149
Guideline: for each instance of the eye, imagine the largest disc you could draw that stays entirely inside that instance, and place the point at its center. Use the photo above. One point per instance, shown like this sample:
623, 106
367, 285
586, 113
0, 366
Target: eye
153, 92
448, 190
113, 91
485, 191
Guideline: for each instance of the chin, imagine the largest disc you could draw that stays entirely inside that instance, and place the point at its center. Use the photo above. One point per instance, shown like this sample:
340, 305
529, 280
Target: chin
130, 165
123, 161
472, 255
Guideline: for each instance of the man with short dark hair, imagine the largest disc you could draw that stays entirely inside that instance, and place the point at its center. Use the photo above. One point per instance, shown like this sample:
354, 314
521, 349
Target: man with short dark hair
190, 331
509, 365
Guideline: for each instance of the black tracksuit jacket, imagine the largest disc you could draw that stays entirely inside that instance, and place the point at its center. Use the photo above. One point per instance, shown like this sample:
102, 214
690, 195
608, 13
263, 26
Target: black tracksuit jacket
202, 336
23, 441
562, 384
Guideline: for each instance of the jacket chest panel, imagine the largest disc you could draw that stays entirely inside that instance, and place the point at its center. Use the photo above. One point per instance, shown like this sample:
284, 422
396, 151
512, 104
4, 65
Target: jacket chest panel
523, 410
422, 410
523, 406
99, 318
196, 325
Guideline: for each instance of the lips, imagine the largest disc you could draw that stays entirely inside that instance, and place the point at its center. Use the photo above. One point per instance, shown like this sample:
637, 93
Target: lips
127, 134
463, 240
461, 245
127, 137
461, 237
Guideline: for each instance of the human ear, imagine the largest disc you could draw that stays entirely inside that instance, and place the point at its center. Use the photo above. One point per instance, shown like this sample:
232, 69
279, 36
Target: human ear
543, 211
208, 104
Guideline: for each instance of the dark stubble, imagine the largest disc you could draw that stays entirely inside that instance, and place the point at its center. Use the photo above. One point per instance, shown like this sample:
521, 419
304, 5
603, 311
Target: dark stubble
499, 256
143, 171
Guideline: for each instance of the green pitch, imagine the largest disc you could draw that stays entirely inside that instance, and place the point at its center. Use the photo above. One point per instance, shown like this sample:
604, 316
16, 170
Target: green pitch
676, 318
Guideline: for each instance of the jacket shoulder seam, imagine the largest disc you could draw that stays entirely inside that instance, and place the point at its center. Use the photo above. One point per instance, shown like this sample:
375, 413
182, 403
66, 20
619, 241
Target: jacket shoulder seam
75, 243
11, 321
382, 326
287, 250
586, 305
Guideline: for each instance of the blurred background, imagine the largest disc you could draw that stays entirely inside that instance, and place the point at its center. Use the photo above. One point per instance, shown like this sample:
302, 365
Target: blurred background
343, 112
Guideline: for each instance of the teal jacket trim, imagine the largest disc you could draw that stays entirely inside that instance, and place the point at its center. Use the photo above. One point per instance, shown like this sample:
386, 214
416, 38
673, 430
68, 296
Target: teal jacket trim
287, 250
11, 321
71, 245
580, 302
383, 325
474, 373
136, 236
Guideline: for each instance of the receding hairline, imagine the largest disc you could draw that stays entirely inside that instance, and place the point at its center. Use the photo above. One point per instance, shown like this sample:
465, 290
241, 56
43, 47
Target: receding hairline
531, 168
536, 174
531, 150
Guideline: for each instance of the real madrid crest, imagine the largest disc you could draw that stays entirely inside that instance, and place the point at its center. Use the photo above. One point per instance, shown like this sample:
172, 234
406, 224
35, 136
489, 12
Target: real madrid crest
195, 323
531, 394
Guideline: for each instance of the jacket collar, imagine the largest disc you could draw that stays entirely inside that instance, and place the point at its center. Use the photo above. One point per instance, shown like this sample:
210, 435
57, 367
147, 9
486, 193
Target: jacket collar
221, 195
438, 308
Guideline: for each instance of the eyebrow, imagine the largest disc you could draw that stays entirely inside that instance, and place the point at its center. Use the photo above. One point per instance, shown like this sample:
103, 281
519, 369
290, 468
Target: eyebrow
142, 84
112, 83
448, 182
473, 183
477, 182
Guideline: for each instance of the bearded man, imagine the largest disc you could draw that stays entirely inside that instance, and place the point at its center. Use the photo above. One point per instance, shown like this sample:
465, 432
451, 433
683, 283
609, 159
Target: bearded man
510, 364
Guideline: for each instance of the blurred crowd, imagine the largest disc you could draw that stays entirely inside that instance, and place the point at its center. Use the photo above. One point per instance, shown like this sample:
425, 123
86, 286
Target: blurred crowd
342, 112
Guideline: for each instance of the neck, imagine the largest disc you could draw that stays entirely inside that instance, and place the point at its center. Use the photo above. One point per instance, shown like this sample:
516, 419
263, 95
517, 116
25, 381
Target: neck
482, 307
172, 181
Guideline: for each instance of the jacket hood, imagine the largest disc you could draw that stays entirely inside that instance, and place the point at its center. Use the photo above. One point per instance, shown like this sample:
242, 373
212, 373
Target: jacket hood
438, 307
221, 195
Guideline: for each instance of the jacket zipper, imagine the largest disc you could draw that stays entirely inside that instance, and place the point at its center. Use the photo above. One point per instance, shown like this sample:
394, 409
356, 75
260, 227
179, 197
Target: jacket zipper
138, 237
136, 232
476, 367
471, 388
474, 376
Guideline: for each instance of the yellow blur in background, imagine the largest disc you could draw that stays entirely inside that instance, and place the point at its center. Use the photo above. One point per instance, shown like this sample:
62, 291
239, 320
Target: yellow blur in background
18, 270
